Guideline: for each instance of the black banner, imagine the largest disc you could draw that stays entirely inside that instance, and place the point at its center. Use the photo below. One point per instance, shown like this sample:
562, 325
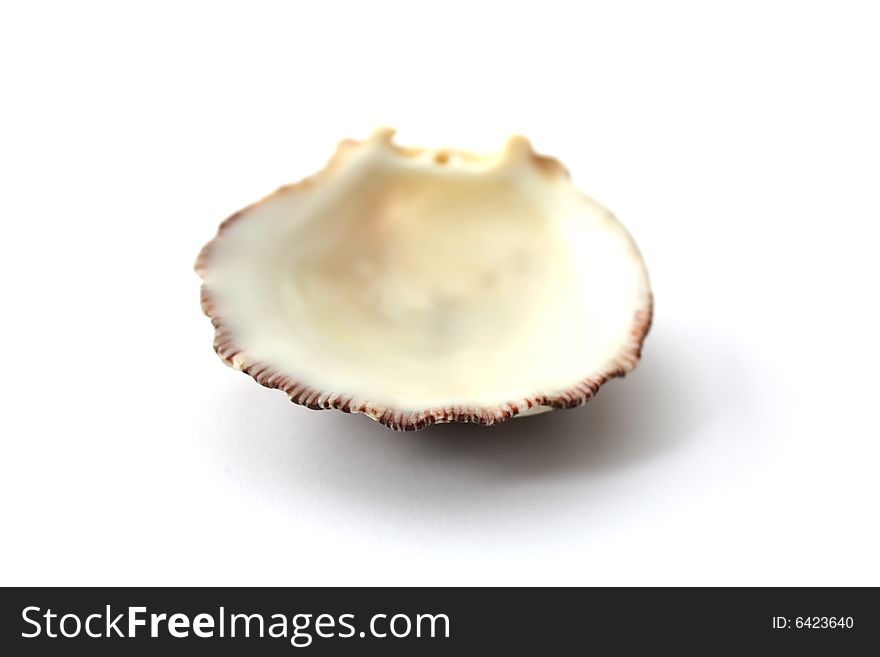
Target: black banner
278, 621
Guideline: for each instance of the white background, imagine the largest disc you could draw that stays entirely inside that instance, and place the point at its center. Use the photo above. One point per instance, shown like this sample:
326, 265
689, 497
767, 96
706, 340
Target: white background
739, 143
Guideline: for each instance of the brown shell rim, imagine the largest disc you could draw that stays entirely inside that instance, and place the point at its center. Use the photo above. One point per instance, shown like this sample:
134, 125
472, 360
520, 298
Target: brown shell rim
235, 356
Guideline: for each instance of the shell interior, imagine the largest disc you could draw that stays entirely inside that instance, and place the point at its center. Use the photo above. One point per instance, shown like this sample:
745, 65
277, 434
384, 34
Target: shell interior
416, 284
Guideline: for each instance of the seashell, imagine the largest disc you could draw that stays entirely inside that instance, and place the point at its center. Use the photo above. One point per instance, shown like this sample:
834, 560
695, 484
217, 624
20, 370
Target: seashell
420, 286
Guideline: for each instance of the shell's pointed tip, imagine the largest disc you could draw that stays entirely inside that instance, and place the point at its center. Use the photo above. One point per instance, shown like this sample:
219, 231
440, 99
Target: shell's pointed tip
517, 147
383, 134
519, 141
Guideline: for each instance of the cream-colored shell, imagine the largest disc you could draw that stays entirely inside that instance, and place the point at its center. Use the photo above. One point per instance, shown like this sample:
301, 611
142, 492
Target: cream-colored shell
421, 286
